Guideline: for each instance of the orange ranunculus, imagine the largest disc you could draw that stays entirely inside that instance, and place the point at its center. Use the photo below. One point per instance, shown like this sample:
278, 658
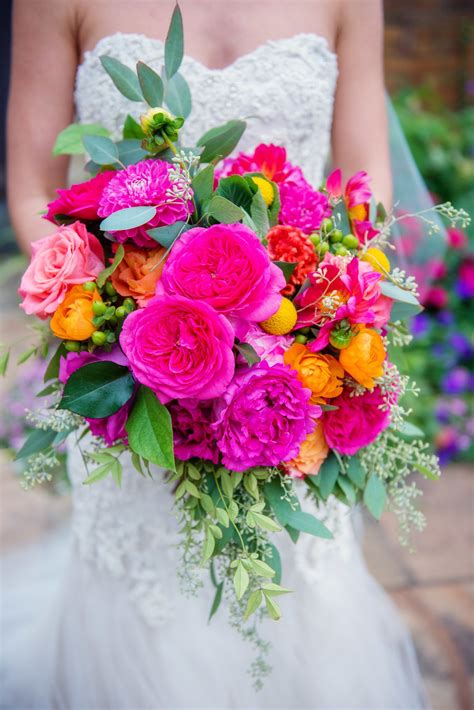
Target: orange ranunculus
322, 374
138, 272
364, 357
73, 317
312, 453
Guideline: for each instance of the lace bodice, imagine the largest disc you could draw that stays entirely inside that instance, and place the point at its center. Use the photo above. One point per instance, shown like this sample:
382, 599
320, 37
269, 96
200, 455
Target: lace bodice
285, 89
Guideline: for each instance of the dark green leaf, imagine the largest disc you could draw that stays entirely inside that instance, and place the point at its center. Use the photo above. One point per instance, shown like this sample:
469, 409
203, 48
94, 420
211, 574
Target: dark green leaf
275, 562
287, 268
305, 522
237, 190
69, 141
203, 185
132, 129
38, 440
356, 472
166, 236
130, 151
174, 45
327, 476
151, 85
149, 430
217, 600
281, 507
124, 78
52, 371
109, 270
274, 209
178, 96
102, 150
97, 390
128, 218
259, 214
293, 533
219, 142
375, 496
223, 210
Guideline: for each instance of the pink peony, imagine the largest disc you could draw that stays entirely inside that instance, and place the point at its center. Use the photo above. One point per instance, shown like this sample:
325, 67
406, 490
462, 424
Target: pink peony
227, 267
193, 435
270, 348
356, 422
269, 159
80, 201
179, 348
69, 256
263, 417
302, 206
145, 183
112, 428
364, 230
457, 239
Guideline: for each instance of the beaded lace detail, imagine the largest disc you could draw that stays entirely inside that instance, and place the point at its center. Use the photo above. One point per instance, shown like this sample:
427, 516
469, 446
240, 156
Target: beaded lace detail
285, 90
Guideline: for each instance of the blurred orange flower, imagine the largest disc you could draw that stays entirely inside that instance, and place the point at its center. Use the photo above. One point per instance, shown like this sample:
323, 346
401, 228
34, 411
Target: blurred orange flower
312, 454
322, 374
364, 357
138, 272
73, 317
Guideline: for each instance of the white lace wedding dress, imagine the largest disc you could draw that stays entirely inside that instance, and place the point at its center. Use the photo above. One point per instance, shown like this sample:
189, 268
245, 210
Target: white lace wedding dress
116, 633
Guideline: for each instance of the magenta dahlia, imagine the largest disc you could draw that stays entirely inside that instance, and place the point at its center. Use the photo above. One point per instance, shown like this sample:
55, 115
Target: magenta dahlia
148, 182
302, 206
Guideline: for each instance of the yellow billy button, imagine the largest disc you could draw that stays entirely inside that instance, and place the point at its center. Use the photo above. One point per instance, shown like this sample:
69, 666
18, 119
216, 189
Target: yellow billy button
283, 321
266, 190
377, 260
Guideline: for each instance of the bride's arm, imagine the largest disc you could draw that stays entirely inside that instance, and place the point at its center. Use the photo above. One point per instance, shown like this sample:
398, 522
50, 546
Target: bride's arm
359, 138
40, 105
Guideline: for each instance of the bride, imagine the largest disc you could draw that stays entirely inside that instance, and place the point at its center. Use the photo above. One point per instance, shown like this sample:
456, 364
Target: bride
109, 629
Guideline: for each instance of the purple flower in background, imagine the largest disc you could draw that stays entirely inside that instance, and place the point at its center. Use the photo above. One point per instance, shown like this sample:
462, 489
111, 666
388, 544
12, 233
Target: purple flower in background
457, 407
420, 325
445, 318
461, 344
442, 412
465, 284
456, 381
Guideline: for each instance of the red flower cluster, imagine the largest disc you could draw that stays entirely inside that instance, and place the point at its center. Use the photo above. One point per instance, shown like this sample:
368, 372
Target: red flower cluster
290, 244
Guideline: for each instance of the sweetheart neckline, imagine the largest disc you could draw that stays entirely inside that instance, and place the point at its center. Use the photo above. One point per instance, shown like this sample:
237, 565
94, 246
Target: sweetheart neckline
320, 39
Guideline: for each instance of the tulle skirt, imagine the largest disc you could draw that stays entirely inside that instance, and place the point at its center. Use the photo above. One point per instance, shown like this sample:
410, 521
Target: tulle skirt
73, 639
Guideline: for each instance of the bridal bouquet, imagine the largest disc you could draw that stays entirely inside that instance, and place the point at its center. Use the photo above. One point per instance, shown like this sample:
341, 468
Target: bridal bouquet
224, 320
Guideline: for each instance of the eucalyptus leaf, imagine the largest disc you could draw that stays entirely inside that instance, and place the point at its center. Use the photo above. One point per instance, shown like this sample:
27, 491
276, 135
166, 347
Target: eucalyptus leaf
124, 78
347, 488
166, 236
305, 522
102, 150
178, 96
97, 390
375, 496
409, 429
219, 142
149, 430
174, 45
223, 210
70, 140
128, 218
38, 440
398, 294
150, 84
402, 311
327, 476
130, 151
356, 471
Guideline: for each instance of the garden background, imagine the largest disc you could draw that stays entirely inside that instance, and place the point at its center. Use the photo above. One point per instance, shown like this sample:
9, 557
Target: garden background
430, 77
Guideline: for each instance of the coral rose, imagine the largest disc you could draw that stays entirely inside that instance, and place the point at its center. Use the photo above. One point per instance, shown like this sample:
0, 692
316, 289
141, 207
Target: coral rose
80, 201
312, 454
69, 256
357, 421
227, 267
322, 374
291, 245
263, 417
138, 272
73, 317
179, 348
364, 357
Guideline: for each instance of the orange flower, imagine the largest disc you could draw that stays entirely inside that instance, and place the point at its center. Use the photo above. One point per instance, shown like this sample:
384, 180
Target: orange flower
364, 357
312, 453
138, 272
322, 374
73, 317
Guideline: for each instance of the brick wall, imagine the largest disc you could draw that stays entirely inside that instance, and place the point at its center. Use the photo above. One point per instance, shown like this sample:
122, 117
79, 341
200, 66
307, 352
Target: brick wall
431, 41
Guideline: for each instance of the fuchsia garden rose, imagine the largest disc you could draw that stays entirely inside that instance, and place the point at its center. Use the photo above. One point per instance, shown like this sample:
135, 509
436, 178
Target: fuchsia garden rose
192, 430
357, 421
80, 201
179, 348
69, 256
227, 267
148, 182
263, 417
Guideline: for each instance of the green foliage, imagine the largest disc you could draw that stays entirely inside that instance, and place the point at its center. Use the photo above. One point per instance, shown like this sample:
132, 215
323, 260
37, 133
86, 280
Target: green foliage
150, 84
219, 142
128, 218
102, 150
166, 236
375, 496
149, 430
130, 151
109, 270
97, 390
178, 95
174, 45
124, 78
132, 129
70, 139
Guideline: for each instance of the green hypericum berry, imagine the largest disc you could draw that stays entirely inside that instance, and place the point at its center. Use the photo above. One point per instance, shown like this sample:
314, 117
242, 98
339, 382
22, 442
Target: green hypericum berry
336, 236
110, 289
89, 286
98, 337
323, 248
315, 239
99, 308
326, 225
341, 251
121, 312
72, 346
350, 241
129, 304
300, 338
